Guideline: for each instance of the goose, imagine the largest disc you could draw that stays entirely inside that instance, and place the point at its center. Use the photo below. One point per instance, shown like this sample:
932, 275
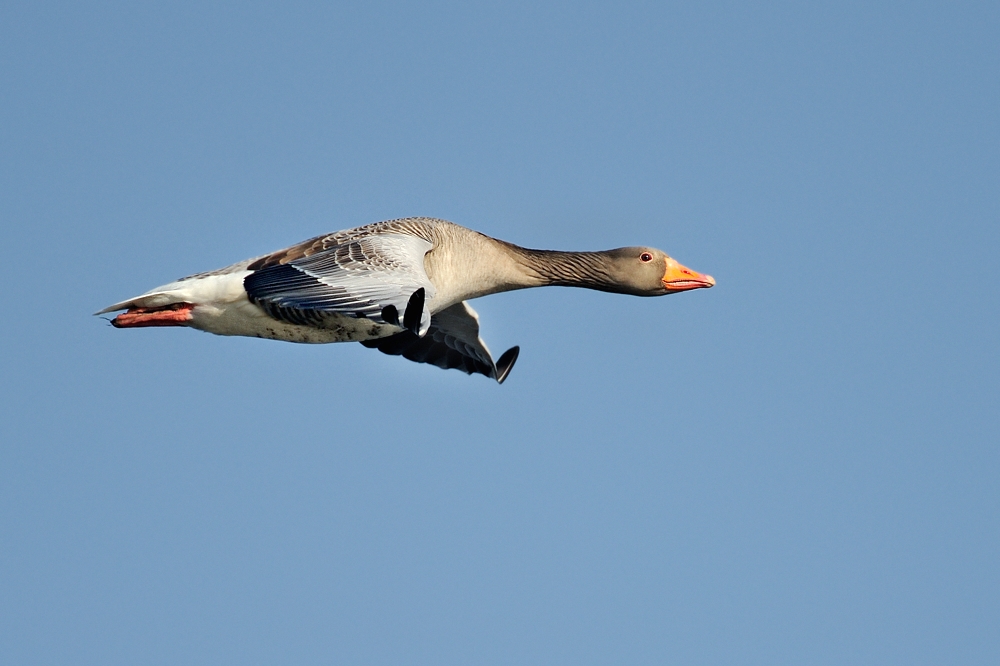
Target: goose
399, 286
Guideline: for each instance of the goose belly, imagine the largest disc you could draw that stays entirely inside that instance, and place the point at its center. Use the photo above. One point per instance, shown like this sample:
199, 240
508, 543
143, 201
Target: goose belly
241, 317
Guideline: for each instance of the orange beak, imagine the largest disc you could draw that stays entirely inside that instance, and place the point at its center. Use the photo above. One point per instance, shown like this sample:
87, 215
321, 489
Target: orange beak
679, 278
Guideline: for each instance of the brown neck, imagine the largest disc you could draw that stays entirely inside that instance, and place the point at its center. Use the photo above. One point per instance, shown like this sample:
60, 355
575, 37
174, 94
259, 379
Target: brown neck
591, 270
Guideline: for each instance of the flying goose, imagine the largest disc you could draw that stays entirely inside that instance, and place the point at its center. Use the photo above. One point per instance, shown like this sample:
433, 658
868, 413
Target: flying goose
399, 286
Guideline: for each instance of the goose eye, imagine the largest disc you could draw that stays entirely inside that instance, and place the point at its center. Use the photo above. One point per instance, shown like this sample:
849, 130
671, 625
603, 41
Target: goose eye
645, 256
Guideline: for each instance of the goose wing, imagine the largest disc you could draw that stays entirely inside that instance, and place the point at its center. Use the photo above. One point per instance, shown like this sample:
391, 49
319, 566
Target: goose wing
452, 341
380, 277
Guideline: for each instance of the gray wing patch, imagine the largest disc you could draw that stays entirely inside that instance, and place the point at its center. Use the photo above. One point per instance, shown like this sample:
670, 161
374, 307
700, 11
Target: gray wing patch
451, 342
374, 277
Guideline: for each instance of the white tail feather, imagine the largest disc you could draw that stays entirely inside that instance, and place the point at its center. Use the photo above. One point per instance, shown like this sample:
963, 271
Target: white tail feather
155, 300
212, 288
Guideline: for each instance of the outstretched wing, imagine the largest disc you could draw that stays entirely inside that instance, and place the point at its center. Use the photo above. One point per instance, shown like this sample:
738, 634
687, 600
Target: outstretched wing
451, 342
379, 277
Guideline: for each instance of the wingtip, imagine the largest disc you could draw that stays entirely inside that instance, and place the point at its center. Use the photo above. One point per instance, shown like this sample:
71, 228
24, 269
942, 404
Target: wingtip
414, 312
390, 314
506, 363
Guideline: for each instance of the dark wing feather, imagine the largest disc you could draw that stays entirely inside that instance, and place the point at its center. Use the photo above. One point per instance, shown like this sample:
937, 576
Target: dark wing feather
452, 341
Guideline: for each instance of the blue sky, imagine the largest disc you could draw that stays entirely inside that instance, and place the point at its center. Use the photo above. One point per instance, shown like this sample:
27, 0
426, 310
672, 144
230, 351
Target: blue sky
797, 466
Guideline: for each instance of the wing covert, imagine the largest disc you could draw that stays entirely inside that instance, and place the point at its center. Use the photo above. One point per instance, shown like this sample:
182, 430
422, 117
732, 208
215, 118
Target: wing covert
372, 277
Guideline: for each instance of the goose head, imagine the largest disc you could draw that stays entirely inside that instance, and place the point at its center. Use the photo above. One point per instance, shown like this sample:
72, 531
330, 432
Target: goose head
646, 271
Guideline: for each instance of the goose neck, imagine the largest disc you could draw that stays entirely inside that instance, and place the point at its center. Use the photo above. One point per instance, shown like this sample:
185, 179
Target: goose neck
591, 270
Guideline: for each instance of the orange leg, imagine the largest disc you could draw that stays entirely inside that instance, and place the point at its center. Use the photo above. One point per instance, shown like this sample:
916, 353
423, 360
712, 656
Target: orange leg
178, 314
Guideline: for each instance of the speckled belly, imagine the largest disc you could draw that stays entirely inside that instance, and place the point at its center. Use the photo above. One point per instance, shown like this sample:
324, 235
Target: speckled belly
246, 319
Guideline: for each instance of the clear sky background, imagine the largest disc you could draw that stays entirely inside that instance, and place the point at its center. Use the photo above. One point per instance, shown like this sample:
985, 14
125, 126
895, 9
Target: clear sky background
799, 466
